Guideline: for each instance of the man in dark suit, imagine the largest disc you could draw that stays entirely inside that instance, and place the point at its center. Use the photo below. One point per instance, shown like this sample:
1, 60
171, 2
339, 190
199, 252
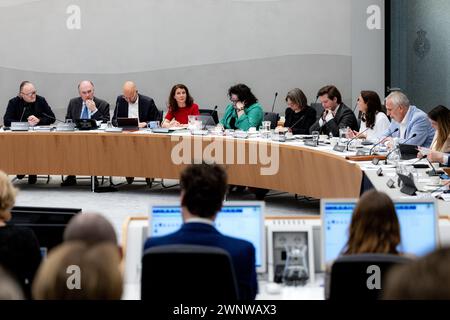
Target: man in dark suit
86, 106
336, 114
203, 189
131, 104
28, 107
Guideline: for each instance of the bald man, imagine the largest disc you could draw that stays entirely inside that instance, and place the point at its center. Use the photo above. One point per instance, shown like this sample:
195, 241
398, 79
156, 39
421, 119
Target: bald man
87, 106
131, 104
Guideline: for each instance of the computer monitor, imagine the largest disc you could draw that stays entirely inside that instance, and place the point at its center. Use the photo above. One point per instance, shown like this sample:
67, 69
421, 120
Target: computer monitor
243, 220
48, 224
417, 218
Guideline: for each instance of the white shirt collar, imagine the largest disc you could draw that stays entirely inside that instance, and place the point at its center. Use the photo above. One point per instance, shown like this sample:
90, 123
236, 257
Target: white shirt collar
200, 220
405, 119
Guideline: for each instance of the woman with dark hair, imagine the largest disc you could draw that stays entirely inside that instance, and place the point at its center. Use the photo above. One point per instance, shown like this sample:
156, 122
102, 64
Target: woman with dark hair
440, 121
373, 119
374, 227
244, 112
181, 105
299, 116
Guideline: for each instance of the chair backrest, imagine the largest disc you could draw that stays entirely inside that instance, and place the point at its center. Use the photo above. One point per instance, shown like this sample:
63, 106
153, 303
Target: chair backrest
319, 109
272, 117
210, 112
361, 276
188, 273
160, 116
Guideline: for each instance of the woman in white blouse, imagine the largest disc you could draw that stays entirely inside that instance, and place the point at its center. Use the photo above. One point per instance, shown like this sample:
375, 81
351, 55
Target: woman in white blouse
373, 119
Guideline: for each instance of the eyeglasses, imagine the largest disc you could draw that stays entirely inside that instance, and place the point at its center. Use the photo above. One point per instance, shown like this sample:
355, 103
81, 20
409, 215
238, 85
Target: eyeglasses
234, 101
29, 94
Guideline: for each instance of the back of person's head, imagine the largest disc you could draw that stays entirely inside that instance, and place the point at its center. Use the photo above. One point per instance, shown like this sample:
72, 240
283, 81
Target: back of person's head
203, 189
441, 115
76, 271
92, 228
9, 288
332, 93
374, 227
427, 278
7, 197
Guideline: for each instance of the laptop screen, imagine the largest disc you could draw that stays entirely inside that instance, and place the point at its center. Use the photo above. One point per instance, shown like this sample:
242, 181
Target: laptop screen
418, 227
243, 221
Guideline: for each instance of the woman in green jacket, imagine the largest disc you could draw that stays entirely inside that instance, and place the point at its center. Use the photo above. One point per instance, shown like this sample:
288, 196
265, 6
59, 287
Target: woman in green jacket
244, 112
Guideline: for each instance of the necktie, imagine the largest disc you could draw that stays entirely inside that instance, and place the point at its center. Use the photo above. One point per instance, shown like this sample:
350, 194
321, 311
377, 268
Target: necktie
85, 113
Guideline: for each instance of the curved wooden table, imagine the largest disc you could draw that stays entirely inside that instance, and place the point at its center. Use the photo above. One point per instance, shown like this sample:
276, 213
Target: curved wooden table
304, 171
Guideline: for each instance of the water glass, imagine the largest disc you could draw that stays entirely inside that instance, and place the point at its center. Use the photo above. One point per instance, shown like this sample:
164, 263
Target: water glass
315, 137
342, 136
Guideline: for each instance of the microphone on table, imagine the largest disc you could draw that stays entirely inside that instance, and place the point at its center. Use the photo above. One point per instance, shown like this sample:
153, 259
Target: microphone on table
274, 100
296, 122
116, 111
420, 159
388, 136
51, 117
25, 107
398, 147
356, 137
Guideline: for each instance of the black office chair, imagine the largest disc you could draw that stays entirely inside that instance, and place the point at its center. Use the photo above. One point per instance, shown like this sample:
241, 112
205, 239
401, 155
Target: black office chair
160, 116
210, 112
350, 275
188, 273
272, 117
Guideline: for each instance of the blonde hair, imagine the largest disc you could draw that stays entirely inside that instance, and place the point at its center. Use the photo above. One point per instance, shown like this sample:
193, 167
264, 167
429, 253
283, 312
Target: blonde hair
7, 196
100, 277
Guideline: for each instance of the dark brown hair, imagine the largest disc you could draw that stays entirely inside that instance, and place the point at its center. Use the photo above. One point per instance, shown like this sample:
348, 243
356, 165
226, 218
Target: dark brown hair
298, 97
425, 279
373, 102
244, 94
374, 227
204, 187
332, 93
441, 115
173, 105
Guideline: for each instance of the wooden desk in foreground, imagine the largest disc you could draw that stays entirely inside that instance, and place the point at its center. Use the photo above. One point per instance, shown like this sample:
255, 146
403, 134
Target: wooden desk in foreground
300, 170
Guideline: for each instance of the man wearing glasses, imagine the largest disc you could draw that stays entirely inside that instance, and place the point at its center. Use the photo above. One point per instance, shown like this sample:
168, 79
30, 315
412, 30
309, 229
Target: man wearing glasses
86, 106
28, 107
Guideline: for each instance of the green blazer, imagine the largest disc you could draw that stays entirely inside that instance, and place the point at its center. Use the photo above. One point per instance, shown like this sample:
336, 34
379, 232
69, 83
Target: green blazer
252, 117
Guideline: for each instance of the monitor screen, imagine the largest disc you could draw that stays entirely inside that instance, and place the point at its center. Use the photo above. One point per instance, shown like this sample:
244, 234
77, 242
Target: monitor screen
418, 227
243, 221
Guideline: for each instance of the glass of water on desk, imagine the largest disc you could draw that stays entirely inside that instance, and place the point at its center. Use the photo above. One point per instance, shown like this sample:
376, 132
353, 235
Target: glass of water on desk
315, 137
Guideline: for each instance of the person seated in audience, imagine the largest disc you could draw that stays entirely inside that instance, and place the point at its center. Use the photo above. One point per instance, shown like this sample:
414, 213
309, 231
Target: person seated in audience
29, 107
336, 114
203, 188
181, 106
86, 106
132, 104
76, 270
9, 289
244, 112
426, 278
374, 121
374, 228
409, 120
299, 116
20, 254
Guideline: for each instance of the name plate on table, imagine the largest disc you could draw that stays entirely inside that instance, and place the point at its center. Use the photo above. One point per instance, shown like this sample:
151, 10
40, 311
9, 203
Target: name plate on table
339, 148
114, 129
20, 126
312, 143
65, 127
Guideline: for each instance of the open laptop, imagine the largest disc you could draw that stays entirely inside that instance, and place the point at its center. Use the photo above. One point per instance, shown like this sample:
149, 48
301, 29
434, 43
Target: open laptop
418, 226
207, 121
128, 124
243, 220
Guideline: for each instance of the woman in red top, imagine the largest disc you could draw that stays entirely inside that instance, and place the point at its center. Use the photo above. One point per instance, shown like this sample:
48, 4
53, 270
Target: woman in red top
181, 105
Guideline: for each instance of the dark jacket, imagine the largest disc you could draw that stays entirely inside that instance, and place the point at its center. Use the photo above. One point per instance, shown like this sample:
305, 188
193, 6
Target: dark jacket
19, 110
147, 109
344, 118
76, 105
300, 122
